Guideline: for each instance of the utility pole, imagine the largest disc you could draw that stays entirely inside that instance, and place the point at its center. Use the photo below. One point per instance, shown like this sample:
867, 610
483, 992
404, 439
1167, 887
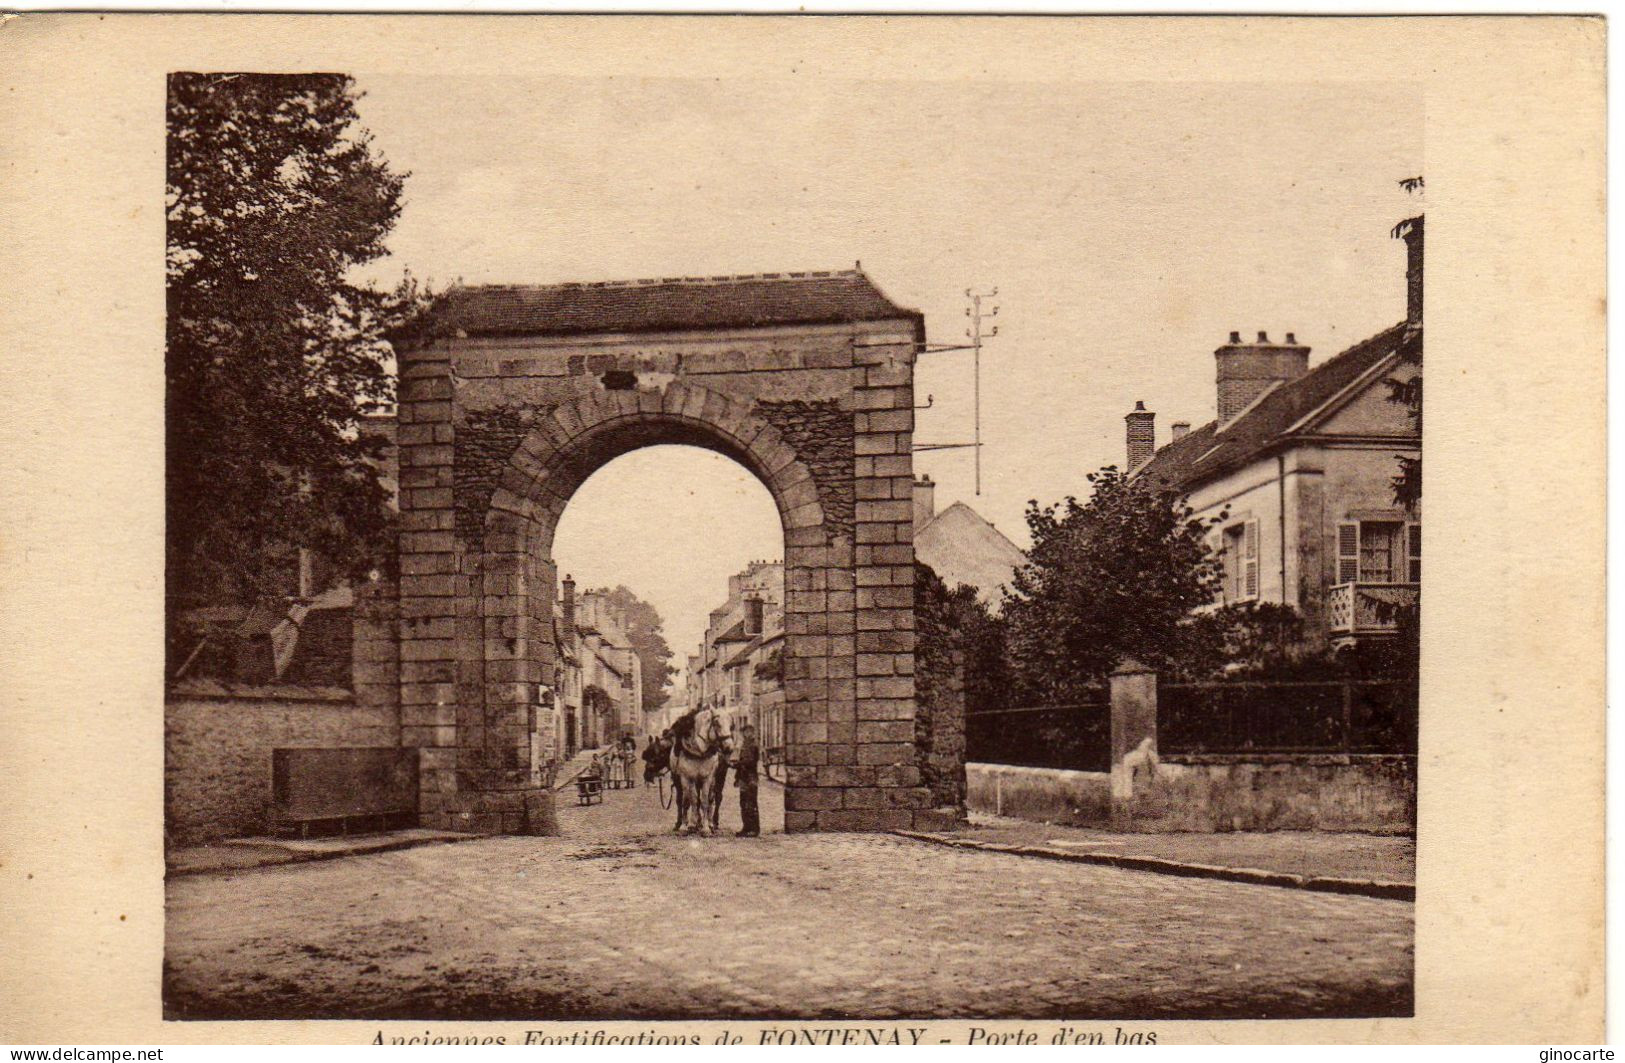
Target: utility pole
974, 312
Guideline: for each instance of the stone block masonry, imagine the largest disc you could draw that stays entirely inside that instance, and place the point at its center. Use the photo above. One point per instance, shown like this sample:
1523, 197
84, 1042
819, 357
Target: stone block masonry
503, 418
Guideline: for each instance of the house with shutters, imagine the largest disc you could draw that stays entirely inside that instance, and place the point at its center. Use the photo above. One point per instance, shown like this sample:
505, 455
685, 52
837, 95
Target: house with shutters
1300, 464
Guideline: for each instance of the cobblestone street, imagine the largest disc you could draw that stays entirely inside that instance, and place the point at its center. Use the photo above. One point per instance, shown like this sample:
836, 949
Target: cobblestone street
620, 919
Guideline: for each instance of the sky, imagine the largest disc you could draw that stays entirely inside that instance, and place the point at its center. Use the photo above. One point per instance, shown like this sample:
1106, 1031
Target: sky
1128, 227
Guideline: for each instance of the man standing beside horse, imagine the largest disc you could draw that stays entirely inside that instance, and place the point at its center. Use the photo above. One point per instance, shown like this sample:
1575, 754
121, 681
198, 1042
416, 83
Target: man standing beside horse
745, 779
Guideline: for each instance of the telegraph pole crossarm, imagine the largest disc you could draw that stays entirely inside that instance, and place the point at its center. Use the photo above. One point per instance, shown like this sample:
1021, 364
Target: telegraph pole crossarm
976, 337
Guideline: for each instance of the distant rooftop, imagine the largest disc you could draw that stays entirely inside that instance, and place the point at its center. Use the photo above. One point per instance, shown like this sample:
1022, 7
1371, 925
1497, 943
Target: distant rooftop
666, 304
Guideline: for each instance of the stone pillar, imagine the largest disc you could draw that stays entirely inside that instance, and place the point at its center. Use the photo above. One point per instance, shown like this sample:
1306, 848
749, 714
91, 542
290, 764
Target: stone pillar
1134, 726
431, 585
887, 791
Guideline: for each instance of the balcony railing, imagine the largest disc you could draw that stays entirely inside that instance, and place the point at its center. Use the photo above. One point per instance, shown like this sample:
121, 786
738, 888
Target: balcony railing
1367, 608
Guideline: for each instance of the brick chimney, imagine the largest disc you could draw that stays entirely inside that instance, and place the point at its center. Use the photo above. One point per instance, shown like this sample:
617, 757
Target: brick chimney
569, 609
1246, 369
1180, 430
925, 502
1142, 435
1412, 235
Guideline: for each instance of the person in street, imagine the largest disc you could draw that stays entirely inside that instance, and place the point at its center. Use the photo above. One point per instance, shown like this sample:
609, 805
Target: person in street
745, 780
629, 758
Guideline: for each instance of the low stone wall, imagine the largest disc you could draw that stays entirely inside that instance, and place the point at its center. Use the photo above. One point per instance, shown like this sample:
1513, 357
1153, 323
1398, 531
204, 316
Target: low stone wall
1373, 794
217, 750
1376, 794
1045, 795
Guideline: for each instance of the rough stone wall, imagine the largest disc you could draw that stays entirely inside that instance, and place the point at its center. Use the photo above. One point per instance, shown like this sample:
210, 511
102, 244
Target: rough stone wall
820, 432
217, 751
939, 731
485, 443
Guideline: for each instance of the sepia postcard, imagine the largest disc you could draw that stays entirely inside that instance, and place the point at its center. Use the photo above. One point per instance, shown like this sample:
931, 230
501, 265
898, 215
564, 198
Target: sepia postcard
775, 530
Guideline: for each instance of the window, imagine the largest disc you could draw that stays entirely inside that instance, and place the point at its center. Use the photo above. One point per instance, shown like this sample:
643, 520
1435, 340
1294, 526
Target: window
1379, 551
736, 692
1240, 556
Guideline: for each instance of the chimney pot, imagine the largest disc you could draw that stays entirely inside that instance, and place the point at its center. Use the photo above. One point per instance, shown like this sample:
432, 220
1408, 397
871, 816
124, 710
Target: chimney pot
1141, 435
1413, 273
925, 502
1235, 337
1245, 371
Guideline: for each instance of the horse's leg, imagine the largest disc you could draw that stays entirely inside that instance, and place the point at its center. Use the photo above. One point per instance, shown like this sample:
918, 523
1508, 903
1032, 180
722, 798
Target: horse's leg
683, 801
719, 787
702, 804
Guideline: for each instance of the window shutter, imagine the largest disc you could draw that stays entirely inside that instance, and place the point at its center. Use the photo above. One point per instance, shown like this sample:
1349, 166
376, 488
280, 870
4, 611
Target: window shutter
1348, 552
1250, 559
1413, 544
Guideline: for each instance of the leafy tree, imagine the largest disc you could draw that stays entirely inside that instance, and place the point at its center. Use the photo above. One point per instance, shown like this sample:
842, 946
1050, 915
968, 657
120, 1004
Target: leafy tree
954, 629
1252, 638
1404, 655
274, 195
1408, 392
643, 630
1109, 579
958, 649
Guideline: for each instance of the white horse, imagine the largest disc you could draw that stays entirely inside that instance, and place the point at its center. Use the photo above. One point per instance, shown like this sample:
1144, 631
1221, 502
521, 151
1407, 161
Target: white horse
701, 747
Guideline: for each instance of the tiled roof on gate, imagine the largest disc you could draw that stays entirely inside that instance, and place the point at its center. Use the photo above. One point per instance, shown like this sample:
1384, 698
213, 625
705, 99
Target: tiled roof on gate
1207, 451
665, 304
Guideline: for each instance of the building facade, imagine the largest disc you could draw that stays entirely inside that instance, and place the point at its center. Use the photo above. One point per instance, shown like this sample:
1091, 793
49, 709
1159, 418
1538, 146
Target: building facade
1300, 465
596, 696
738, 667
963, 547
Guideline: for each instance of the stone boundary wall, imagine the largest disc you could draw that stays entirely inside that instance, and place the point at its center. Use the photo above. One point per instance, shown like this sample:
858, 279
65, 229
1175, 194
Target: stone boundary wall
1370, 794
1245, 791
217, 751
1374, 794
1044, 795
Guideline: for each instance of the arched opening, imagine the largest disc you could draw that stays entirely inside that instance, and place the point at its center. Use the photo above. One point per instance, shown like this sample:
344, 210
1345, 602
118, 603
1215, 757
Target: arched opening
517, 741
494, 450
667, 549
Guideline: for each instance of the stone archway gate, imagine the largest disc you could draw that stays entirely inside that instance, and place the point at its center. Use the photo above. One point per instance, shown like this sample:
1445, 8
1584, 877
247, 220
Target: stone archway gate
520, 393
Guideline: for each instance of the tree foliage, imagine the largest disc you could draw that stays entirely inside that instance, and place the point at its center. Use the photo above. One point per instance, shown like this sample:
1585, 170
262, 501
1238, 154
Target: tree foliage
643, 630
1404, 656
274, 195
1106, 580
954, 630
1407, 391
1264, 639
